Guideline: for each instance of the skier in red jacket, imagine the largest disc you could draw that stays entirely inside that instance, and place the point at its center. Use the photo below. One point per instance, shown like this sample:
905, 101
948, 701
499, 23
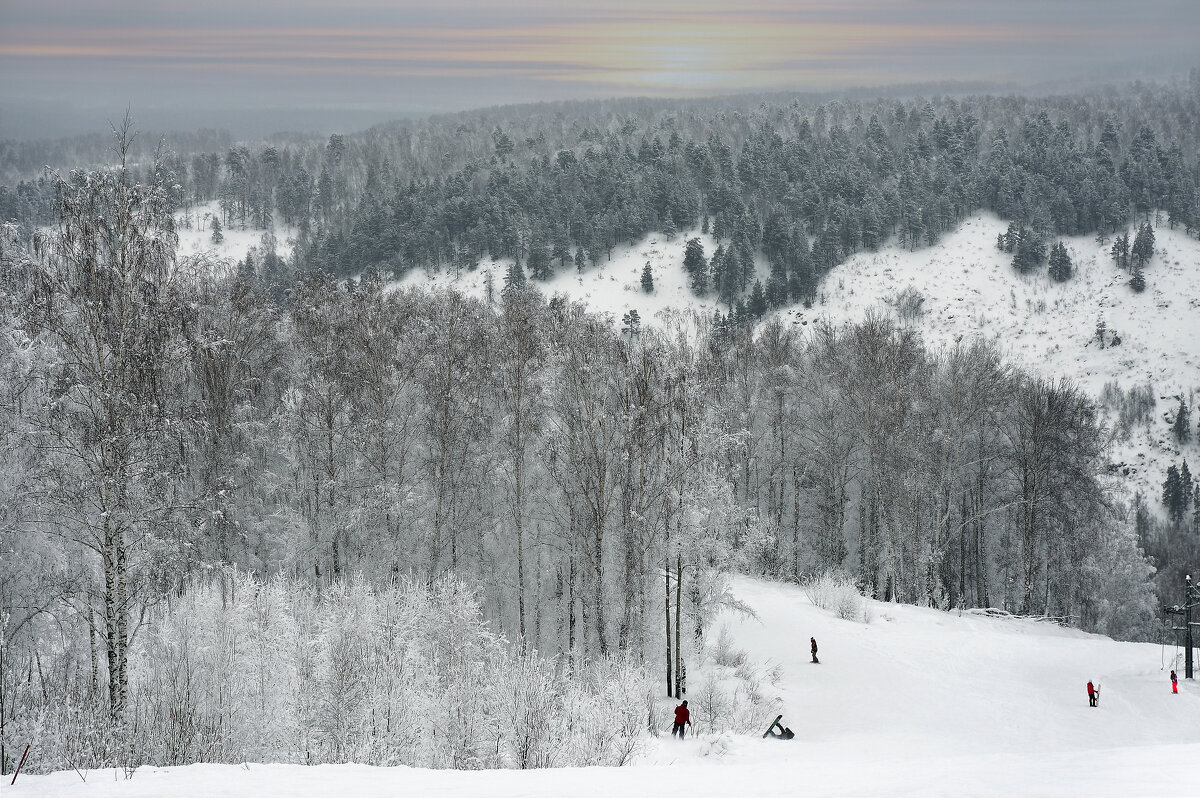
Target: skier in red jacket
1093, 695
1174, 682
682, 718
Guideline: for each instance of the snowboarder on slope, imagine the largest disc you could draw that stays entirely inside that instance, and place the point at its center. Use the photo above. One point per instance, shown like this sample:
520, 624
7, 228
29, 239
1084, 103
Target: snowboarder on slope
1174, 682
682, 718
814, 650
1093, 695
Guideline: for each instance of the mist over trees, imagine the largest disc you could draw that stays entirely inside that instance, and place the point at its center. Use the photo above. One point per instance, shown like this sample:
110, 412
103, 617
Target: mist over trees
222, 486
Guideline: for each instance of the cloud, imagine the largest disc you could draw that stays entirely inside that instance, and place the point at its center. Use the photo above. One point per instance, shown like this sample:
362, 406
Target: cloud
571, 48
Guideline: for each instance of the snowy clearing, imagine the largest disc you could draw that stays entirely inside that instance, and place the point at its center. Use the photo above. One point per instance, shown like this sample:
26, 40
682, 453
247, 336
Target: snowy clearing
915, 702
194, 227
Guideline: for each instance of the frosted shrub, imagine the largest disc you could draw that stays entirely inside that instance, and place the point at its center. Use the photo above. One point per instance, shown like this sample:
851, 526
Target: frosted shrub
233, 669
607, 714
713, 705
910, 304
724, 653
531, 706
835, 591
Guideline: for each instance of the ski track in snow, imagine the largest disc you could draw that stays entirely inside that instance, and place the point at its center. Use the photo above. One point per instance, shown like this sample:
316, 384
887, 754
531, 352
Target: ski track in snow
916, 703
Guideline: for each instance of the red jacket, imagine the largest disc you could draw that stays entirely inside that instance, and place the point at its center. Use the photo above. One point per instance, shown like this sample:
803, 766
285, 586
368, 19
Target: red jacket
681, 714
1091, 689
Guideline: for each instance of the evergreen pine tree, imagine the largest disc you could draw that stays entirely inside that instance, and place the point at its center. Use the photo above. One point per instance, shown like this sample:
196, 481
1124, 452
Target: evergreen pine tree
631, 324
1030, 252
514, 278
647, 278
696, 266
1183, 424
1172, 494
1138, 281
669, 229
758, 300
1143, 244
580, 259
1060, 263
541, 265
1120, 250
217, 235
1185, 489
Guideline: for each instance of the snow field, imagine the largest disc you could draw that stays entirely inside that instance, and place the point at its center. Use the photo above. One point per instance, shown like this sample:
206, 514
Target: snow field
194, 228
916, 702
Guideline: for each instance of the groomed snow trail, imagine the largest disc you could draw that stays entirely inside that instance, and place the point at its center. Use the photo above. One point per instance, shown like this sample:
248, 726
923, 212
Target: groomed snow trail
915, 703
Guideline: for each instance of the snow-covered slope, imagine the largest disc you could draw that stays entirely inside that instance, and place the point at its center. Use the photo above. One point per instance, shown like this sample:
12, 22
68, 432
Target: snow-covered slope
971, 289
915, 703
614, 286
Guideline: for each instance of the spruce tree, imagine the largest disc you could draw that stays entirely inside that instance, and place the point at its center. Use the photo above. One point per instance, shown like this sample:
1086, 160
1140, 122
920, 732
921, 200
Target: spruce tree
217, 235
1172, 497
1120, 250
647, 278
1183, 425
1143, 245
758, 300
1138, 281
696, 266
1060, 263
514, 278
1185, 488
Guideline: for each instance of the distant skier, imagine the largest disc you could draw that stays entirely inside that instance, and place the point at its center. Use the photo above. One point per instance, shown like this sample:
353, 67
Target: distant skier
814, 650
1174, 682
1093, 695
682, 718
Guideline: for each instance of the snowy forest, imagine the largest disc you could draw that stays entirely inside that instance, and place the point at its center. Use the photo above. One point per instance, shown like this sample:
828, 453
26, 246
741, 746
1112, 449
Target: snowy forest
282, 510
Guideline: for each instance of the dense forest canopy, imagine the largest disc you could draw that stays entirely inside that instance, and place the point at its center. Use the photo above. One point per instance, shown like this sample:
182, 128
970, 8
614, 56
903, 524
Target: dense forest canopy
299, 444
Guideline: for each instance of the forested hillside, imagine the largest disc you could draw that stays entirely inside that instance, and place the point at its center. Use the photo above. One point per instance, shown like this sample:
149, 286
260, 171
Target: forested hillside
518, 481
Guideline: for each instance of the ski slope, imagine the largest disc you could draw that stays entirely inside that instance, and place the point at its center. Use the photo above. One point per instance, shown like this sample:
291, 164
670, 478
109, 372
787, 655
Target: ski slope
917, 702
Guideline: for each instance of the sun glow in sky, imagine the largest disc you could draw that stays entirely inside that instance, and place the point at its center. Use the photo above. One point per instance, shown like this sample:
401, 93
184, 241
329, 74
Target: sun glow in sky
420, 54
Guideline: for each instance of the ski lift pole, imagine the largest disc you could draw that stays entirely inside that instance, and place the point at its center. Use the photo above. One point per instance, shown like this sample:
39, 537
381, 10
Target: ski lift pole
1191, 598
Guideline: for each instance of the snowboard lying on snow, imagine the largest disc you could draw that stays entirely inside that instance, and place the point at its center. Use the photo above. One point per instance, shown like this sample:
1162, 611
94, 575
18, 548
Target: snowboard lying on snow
784, 733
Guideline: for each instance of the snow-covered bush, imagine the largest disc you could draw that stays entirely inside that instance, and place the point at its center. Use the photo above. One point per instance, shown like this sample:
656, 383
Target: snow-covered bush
724, 653
234, 669
837, 592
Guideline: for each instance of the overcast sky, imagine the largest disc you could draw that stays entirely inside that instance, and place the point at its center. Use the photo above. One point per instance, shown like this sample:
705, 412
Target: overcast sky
397, 56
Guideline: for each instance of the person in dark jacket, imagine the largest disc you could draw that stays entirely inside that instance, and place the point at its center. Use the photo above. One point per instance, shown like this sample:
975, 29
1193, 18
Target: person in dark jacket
682, 718
1093, 695
814, 649
1174, 682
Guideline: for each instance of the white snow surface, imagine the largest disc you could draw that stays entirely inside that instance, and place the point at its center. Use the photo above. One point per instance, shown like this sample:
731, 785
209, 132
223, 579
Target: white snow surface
194, 228
614, 286
917, 702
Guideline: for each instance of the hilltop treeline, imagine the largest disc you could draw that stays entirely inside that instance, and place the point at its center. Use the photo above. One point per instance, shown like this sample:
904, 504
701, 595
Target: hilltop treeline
555, 186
